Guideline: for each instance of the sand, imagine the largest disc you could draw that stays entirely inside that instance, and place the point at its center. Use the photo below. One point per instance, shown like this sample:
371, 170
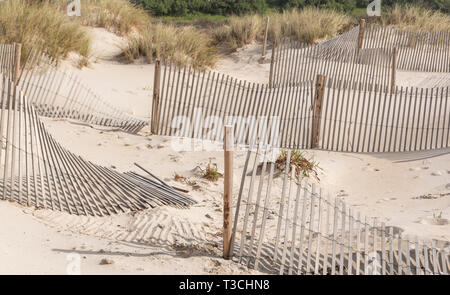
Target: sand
403, 190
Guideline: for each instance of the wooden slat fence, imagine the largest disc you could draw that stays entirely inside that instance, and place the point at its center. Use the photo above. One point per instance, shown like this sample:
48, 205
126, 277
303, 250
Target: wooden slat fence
36, 170
7, 59
354, 117
295, 62
340, 57
59, 94
417, 51
302, 230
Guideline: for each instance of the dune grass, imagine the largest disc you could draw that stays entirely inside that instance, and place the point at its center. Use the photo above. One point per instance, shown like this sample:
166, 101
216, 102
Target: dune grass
307, 25
118, 16
415, 18
181, 45
41, 25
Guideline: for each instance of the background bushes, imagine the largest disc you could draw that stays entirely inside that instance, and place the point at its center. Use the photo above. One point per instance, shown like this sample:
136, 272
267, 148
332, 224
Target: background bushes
239, 7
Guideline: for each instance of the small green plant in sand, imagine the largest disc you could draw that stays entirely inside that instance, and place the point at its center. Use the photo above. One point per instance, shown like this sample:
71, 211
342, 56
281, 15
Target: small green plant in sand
308, 167
437, 216
211, 172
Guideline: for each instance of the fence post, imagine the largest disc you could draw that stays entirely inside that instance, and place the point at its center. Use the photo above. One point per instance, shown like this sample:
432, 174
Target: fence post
272, 59
228, 189
156, 102
394, 69
320, 81
266, 31
17, 55
362, 27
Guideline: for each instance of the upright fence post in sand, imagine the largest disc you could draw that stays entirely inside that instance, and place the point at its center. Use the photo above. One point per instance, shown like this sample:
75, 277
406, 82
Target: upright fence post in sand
266, 31
271, 63
228, 189
362, 27
394, 69
156, 102
320, 82
17, 55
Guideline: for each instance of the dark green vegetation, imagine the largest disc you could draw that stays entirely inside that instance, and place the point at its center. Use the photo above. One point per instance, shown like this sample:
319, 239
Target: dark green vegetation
191, 8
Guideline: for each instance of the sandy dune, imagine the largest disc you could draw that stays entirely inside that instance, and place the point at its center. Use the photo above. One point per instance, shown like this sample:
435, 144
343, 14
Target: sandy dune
403, 190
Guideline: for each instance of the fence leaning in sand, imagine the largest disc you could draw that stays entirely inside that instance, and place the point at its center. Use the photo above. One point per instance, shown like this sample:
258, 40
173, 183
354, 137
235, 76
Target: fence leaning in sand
353, 117
342, 57
302, 230
61, 94
35, 170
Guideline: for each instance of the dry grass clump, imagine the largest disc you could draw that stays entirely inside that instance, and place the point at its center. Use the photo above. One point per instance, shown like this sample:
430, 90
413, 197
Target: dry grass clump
414, 18
308, 167
41, 25
118, 16
239, 31
308, 25
181, 45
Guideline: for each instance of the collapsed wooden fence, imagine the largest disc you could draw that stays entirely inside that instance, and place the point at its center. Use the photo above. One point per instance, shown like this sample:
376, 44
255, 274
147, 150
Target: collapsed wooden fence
305, 231
60, 94
37, 171
332, 115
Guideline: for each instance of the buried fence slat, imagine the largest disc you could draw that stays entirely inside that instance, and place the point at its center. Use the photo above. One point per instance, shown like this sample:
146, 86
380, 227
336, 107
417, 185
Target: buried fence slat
311, 228
425, 255
341, 263
366, 246
435, 263
280, 213
256, 212
350, 238
319, 234
399, 255
408, 256
327, 231
302, 228
417, 256
266, 210
391, 251
333, 260
375, 244
286, 227
294, 222
248, 205
383, 250
444, 262
358, 244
